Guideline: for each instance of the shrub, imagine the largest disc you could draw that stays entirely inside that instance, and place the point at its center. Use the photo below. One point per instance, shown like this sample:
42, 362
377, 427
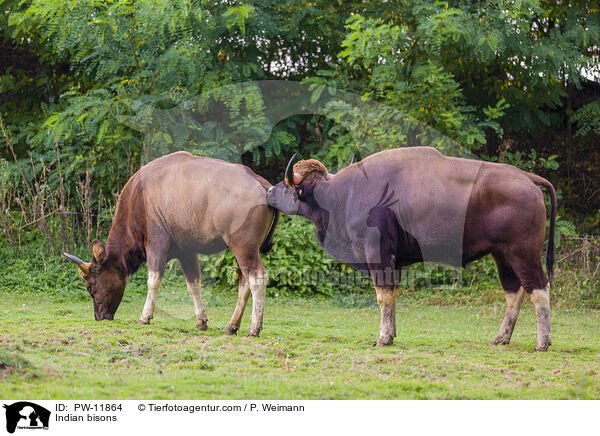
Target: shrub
297, 265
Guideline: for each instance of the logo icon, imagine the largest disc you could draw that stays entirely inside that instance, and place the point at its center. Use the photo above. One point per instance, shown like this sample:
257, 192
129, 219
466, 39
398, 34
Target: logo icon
26, 415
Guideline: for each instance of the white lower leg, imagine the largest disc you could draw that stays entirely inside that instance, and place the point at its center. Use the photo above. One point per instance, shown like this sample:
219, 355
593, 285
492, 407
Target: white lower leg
513, 307
154, 280
258, 287
386, 298
194, 288
541, 299
243, 295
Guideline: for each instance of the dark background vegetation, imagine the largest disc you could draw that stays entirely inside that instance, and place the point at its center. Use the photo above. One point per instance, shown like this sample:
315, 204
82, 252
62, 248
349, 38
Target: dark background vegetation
510, 81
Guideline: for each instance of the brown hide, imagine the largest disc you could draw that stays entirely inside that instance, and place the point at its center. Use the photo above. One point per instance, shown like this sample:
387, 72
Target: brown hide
177, 206
457, 209
402, 206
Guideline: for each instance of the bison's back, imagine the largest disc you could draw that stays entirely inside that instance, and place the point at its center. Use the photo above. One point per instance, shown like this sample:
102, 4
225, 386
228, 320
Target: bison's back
200, 202
427, 192
443, 202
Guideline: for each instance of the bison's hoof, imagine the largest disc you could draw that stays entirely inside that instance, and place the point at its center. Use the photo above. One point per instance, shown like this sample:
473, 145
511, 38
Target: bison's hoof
542, 348
143, 321
202, 324
231, 330
501, 340
254, 334
384, 341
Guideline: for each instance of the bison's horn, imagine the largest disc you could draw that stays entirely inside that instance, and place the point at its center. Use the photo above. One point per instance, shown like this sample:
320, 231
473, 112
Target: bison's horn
73, 259
289, 171
83, 266
352, 159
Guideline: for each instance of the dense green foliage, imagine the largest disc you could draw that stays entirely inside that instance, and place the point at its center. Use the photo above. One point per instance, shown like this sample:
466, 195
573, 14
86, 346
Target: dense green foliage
478, 72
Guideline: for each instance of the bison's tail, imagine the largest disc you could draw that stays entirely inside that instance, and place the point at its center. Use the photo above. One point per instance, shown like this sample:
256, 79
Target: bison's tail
550, 253
268, 242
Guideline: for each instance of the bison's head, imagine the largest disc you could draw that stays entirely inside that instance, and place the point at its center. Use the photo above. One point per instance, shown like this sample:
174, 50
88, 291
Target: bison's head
296, 191
104, 281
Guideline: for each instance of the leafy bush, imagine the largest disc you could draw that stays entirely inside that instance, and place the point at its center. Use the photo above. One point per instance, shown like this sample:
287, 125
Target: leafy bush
588, 118
35, 271
297, 265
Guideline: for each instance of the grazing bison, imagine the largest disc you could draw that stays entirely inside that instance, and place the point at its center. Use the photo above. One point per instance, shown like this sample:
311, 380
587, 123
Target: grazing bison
177, 206
402, 206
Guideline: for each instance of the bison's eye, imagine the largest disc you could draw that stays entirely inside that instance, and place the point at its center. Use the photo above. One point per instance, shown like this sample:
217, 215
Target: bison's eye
89, 289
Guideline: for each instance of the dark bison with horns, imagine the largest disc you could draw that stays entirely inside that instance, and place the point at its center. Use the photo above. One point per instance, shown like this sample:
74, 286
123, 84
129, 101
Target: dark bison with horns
177, 206
402, 206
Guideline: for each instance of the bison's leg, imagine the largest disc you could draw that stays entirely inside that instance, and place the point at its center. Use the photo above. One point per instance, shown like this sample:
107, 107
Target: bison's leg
513, 307
191, 272
154, 279
254, 272
531, 275
258, 286
386, 279
513, 292
157, 260
541, 300
386, 298
245, 244
243, 295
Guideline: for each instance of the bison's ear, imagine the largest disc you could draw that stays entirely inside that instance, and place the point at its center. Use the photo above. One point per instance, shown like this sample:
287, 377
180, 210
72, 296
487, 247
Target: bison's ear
98, 251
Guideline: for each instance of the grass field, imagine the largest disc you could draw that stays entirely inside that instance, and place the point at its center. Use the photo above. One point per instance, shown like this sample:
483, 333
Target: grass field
309, 349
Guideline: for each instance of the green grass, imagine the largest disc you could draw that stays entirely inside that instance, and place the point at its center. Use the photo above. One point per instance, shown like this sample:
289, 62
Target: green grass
309, 349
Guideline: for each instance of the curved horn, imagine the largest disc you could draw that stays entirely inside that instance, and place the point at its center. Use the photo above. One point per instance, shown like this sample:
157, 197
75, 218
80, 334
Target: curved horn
73, 259
289, 171
352, 159
83, 266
